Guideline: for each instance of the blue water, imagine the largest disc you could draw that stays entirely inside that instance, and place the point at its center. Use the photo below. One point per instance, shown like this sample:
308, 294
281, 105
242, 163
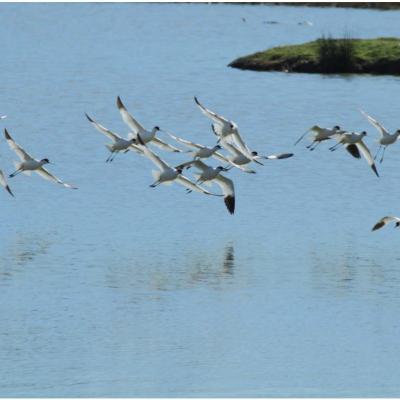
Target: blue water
117, 289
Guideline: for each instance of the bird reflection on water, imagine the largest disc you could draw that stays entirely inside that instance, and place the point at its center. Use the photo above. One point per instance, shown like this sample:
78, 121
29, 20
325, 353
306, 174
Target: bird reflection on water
194, 269
20, 252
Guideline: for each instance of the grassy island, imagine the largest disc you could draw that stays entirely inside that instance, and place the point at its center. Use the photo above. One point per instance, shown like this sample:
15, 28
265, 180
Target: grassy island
328, 55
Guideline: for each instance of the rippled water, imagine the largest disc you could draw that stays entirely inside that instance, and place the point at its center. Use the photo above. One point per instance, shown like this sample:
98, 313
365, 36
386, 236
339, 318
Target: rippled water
121, 290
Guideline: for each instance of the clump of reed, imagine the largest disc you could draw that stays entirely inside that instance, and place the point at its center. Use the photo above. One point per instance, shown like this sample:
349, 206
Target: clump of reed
336, 55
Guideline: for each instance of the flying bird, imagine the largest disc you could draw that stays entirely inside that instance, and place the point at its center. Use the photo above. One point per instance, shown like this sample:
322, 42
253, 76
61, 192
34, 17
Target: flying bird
385, 138
210, 174
201, 151
138, 129
119, 144
350, 140
386, 220
319, 135
29, 164
167, 174
3, 182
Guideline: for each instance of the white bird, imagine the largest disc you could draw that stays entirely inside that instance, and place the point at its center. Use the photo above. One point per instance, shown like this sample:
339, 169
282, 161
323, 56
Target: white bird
119, 143
209, 174
223, 127
168, 174
201, 152
319, 135
3, 182
138, 129
29, 164
386, 220
385, 138
353, 142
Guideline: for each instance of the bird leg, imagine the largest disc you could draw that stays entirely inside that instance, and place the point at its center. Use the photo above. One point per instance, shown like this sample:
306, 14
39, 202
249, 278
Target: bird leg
109, 157
18, 171
383, 154
379, 149
313, 148
113, 155
156, 183
336, 146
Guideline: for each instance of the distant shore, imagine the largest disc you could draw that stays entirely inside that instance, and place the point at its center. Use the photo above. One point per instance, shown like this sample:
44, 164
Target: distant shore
372, 56
375, 5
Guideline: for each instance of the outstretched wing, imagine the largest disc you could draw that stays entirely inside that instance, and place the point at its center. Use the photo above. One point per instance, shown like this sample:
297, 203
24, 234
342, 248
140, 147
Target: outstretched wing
128, 119
367, 154
220, 157
240, 142
162, 165
279, 156
111, 135
186, 142
192, 186
164, 146
21, 153
381, 129
47, 175
197, 163
219, 119
384, 221
3, 182
228, 190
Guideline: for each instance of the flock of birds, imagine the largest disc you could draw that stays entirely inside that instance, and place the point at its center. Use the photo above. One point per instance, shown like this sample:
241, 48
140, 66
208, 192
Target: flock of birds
237, 154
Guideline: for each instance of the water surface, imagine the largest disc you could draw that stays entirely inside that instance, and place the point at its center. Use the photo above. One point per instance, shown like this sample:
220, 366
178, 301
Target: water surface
121, 290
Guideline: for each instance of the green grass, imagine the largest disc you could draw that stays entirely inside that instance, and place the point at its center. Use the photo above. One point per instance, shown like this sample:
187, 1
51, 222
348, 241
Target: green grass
329, 55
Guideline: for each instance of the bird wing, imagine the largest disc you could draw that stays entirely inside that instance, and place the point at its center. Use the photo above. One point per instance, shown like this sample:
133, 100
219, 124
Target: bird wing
47, 175
279, 156
197, 163
186, 142
128, 119
220, 157
219, 119
21, 153
3, 182
111, 135
381, 129
353, 150
240, 142
228, 190
191, 185
164, 146
162, 165
231, 148
367, 154
385, 220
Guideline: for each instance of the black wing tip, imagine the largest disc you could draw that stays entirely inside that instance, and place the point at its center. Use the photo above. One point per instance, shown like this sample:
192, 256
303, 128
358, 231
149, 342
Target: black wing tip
353, 150
230, 203
378, 226
6, 134
119, 102
375, 170
196, 100
90, 119
9, 191
285, 155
